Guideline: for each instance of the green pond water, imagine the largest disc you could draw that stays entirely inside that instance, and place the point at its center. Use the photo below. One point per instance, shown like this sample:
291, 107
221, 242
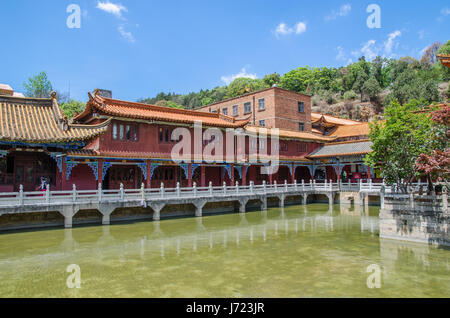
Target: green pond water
296, 252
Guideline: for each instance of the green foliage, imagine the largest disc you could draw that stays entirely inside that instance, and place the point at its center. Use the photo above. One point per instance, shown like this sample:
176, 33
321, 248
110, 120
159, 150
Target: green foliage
399, 141
350, 95
371, 87
244, 85
272, 79
38, 86
444, 49
72, 107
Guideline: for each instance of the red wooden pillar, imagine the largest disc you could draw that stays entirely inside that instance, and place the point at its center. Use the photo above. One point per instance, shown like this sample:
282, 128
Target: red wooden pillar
175, 175
369, 175
100, 172
293, 173
148, 182
202, 176
63, 174
232, 174
244, 175
190, 175
270, 175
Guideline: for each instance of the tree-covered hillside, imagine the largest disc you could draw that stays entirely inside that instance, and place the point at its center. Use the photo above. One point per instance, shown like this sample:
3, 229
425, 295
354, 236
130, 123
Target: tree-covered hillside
358, 90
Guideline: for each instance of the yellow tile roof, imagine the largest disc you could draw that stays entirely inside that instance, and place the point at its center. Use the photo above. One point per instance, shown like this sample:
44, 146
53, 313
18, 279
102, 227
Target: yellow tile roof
40, 121
362, 129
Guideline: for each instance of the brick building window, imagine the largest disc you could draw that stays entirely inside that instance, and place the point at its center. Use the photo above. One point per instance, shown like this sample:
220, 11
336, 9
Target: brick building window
235, 110
225, 111
262, 104
301, 107
247, 108
301, 126
262, 123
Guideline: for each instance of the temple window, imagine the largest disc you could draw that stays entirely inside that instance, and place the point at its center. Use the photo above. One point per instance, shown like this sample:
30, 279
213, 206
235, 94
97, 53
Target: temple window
225, 111
161, 134
114, 132
121, 129
301, 126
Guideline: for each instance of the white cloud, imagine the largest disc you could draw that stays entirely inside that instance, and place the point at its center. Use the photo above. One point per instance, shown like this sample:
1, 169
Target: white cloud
113, 8
126, 35
369, 50
342, 12
445, 11
242, 73
300, 27
421, 34
390, 43
342, 56
284, 29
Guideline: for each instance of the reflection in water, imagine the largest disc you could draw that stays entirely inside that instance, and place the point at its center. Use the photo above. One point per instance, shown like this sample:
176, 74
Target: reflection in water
297, 251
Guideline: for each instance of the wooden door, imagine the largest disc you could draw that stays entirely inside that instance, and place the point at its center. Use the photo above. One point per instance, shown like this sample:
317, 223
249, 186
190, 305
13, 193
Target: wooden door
25, 174
125, 175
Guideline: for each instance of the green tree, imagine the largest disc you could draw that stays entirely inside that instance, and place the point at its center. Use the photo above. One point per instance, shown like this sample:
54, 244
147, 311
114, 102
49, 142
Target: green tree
72, 107
371, 88
399, 141
297, 80
38, 86
272, 79
244, 85
359, 83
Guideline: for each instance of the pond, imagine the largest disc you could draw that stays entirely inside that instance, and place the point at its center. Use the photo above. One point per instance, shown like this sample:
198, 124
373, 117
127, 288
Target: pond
298, 251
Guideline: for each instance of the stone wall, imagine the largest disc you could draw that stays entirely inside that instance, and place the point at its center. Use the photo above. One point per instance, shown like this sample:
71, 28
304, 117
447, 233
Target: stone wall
423, 219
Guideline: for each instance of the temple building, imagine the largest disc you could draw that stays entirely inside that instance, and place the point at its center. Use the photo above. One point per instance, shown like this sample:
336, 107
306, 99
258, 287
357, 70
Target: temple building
114, 142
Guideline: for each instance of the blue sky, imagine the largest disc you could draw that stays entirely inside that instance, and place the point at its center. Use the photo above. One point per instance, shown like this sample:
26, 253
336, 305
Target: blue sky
139, 48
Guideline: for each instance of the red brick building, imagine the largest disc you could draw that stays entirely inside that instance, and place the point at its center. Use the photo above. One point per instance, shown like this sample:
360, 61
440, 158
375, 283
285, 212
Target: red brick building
272, 108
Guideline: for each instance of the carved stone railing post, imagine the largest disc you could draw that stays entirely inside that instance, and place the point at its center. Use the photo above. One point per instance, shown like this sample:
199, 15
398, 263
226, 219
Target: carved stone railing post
285, 185
142, 192
21, 195
237, 187
162, 190
194, 189
295, 185
47, 193
99, 192
275, 186
252, 187
122, 194
210, 188
264, 186
303, 185
178, 190
74, 193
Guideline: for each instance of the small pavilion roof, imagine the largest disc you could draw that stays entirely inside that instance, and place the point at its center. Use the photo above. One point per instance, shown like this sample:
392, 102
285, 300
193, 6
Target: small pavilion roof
332, 120
347, 148
362, 129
